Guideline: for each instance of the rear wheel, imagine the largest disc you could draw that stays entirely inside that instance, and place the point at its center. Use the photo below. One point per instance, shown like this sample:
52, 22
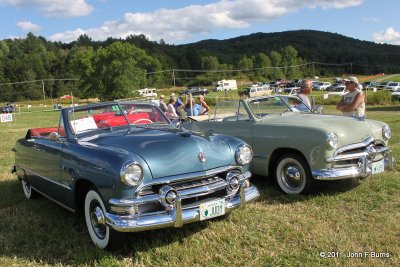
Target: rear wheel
102, 235
29, 192
293, 174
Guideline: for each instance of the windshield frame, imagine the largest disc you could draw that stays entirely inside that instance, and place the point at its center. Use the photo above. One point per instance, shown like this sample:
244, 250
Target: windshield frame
112, 111
283, 99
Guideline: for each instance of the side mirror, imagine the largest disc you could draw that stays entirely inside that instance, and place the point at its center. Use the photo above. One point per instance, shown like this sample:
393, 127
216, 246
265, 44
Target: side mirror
54, 136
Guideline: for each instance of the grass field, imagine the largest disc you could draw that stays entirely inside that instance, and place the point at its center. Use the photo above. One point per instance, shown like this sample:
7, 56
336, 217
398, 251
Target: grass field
277, 230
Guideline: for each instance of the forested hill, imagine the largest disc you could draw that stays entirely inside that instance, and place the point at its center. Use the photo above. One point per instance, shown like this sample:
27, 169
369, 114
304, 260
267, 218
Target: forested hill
311, 45
35, 68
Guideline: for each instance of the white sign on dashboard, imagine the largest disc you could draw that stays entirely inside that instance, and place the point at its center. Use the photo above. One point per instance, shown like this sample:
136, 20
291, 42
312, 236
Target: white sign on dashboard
6, 117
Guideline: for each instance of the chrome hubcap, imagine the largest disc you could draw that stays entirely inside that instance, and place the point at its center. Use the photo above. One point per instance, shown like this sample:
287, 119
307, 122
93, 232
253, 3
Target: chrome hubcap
292, 176
98, 221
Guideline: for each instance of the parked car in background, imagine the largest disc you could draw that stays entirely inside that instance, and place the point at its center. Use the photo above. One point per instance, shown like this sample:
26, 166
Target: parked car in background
369, 85
291, 90
8, 108
382, 85
255, 91
57, 106
195, 91
396, 95
128, 169
225, 85
295, 146
339, 90
393, 86
321, 86
333, 86
148, 92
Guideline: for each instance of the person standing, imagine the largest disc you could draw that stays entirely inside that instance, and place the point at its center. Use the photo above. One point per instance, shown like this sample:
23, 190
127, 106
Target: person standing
305, 90
191, 108
171, 113
162, 105
203, 105
352, 103
178, 105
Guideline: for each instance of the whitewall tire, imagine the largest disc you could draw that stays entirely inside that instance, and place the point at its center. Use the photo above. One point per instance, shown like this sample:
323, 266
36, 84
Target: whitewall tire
293, 175
94, 209
29, 192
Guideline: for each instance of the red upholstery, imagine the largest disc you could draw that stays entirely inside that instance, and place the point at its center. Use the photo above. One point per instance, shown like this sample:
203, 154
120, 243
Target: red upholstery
139, 118
43, 132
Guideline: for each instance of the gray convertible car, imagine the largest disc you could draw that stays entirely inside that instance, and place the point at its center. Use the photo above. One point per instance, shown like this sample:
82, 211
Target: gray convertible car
129, 169
296, 146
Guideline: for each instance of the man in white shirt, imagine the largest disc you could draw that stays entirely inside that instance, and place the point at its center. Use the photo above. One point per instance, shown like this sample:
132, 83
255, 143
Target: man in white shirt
306, 88
352, 103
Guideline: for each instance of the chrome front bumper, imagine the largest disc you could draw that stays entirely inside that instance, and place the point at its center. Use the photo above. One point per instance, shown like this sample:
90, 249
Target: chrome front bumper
177, 216
363, 169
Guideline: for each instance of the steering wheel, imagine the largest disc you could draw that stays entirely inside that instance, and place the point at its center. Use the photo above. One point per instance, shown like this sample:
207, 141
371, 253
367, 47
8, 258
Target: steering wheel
143, 119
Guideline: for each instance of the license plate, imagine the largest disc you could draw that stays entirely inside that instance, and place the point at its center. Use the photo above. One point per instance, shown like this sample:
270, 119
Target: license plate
378, 167
212, 209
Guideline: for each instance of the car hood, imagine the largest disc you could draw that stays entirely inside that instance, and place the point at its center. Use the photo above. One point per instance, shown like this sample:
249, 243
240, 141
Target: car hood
170, 152
349, 129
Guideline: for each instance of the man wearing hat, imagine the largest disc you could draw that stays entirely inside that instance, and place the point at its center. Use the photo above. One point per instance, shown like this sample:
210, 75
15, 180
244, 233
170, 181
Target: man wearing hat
352, 103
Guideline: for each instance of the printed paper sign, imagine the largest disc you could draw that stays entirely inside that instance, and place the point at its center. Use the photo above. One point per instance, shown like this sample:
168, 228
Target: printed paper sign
83, 124
326, 96
6, 117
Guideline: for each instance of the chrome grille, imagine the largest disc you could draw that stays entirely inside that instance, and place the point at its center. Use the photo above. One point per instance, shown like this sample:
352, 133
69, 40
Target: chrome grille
350, 155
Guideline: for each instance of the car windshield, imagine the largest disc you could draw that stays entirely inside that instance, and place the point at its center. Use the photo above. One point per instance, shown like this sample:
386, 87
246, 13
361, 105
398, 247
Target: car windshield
106, 117
262, 107
392, 84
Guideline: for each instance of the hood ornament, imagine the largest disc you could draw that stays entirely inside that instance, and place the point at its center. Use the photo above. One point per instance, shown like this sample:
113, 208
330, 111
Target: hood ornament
202, 157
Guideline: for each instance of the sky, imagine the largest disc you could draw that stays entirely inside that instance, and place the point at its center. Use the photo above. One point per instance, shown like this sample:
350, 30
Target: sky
182, 22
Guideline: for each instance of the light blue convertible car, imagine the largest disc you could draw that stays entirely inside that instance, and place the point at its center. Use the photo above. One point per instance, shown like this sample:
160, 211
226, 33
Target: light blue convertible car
129, 169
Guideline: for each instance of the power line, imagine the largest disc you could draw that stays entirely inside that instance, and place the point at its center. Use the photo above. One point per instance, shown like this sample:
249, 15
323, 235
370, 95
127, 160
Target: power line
41, 80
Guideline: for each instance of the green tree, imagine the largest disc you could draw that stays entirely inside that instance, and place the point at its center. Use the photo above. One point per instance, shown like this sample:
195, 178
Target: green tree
263, 62
113, 72
209, 63
276, 60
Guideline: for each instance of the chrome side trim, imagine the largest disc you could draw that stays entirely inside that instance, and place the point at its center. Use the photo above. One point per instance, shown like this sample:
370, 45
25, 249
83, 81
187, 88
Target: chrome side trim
52, 199
175, 217
45, 178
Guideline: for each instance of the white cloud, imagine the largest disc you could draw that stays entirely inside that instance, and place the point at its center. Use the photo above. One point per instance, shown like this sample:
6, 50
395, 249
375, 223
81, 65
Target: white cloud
29, 26
389, 36
180, 24
55, 8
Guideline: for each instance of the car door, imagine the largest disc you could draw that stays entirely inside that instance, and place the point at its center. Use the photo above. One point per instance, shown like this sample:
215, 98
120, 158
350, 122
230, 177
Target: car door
47, 166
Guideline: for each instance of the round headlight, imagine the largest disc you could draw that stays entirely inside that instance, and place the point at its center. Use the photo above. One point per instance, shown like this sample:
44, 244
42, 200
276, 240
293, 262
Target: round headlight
244, 154
332, 140
386, 132
132, 174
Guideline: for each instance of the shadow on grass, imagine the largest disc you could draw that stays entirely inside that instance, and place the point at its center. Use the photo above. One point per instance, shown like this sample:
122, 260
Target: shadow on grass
40, 231
270, 193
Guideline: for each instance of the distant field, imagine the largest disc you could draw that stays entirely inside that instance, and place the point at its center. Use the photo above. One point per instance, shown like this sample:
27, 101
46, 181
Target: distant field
277, 230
